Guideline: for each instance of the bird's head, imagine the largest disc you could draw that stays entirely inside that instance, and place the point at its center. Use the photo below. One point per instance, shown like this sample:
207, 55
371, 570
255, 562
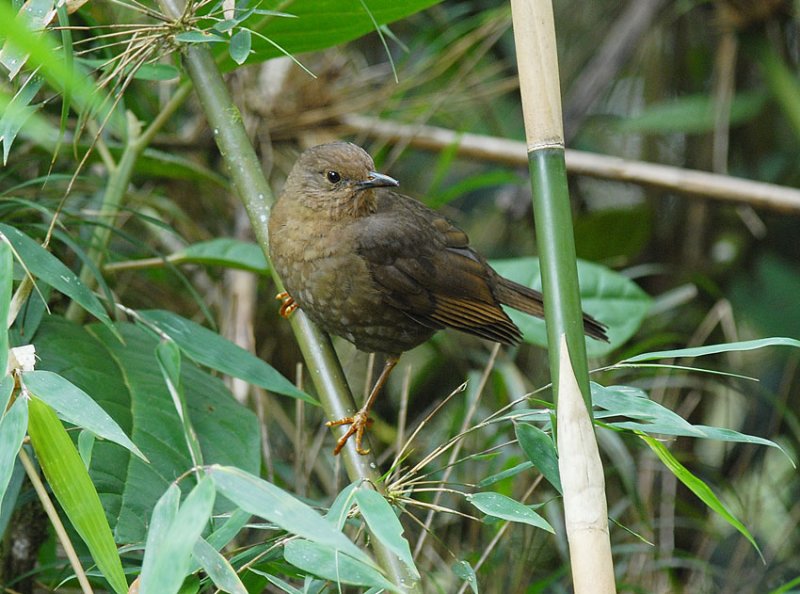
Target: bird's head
337, 178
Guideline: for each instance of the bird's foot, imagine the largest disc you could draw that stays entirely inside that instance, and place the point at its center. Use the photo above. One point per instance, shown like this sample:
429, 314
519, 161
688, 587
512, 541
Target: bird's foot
288, 304
358, 425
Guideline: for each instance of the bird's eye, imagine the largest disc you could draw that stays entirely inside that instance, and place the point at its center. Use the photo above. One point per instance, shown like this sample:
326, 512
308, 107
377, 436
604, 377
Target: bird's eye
333, 176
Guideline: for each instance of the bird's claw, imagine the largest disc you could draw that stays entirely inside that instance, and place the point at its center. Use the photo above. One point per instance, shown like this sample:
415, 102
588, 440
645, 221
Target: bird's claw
358, 425
288, 304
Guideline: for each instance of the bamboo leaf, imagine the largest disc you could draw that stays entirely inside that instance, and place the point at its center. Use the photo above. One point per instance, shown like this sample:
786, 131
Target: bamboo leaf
505, 508
698, 487
713, 349
541, 451
52, 271
384, 525
465, 571
75, 406
325, 562
174, 531
212, 350
6, 282
217, 568
70, 482
224, 251
12, 431
240, 46
264, 499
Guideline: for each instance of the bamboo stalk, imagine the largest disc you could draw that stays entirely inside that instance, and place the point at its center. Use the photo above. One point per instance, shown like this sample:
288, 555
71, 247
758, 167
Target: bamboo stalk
585, 508
256, 195
688, 182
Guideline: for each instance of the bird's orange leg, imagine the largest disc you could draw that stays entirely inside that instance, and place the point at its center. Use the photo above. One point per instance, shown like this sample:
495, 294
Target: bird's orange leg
288, 304
361, 421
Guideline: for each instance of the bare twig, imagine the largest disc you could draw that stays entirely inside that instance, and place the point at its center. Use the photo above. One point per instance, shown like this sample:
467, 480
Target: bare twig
511, 152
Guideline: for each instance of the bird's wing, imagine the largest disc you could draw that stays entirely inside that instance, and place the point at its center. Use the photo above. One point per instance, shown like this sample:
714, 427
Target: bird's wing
425, 268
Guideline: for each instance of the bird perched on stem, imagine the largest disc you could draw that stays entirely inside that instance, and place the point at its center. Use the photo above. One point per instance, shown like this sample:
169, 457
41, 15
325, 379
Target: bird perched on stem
381, 269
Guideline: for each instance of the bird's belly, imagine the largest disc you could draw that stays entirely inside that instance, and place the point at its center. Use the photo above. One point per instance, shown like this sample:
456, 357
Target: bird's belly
335, 289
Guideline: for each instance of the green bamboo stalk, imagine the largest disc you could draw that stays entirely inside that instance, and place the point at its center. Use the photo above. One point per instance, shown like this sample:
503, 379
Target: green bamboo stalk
585, 507
256, 195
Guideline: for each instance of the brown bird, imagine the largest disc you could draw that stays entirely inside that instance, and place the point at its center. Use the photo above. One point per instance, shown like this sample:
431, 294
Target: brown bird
381, 269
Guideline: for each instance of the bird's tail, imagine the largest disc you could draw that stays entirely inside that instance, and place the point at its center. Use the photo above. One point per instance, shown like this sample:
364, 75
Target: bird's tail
530, 301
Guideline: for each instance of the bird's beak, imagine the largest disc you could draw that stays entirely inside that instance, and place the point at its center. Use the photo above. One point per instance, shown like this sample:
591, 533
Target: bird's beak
377, 180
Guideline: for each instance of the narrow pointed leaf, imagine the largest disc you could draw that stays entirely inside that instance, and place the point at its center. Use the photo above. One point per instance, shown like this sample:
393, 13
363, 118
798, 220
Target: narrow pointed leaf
217, 567
240, 46
337, 512
651, 417
6, 389
465, 571
325, 562
77, 407
224, 251
168, 555
6, 280
384, 525
70, 482
264, 499
12, 431
698, 487
500, 506
541, 451
212, 350
49, 269
713, 349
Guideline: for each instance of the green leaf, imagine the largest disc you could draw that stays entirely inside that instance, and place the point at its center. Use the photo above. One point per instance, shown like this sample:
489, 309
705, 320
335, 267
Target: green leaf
168, 553
49, 269
652, 417
75, 406
217, 568
51, 62
6, 389
171, 165
86, 441
161, 522
504, 474
713, 349
340, 508
541, 451
124, 379
323, 561
224, 251
12, 431
464, 570
212, 350
606, 295
36, 14
321, 24
74, 490
199, 37
693, 114
264, 499
240, 46
17, 112
6, 282
500, 506
275, 581
384, 525
698, 487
